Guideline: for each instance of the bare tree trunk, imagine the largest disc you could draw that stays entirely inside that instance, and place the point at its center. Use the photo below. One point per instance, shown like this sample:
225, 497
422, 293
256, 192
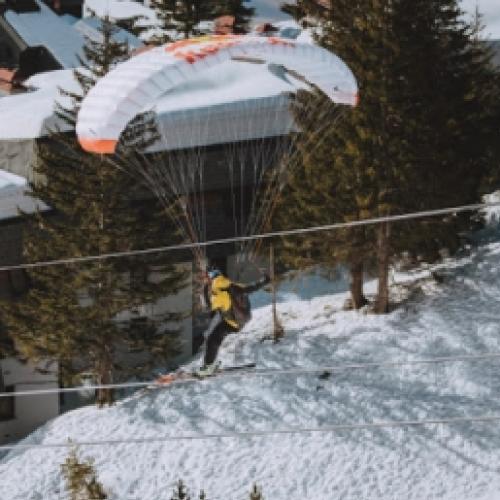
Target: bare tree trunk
356, 286
105, 396
383, 257
105, 371
278, 330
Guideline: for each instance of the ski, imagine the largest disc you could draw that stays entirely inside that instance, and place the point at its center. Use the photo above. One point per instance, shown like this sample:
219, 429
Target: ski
182, 375
235, 368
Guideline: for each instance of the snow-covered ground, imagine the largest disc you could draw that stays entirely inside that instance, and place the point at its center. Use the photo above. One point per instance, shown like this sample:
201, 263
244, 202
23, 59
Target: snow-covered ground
453, 315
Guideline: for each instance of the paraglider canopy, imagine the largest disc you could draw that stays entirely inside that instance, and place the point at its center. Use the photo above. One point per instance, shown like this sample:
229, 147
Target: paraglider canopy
132, 86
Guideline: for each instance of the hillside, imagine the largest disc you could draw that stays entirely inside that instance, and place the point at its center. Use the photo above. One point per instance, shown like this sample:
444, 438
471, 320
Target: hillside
457, 313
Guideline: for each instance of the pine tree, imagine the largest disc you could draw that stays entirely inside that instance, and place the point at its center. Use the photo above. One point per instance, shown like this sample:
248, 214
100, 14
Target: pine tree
408, 146
78, 315
181, 493
81, 479
443, 99
256, 493
236, 8
312, 197
164, 10
304, 11
182, 16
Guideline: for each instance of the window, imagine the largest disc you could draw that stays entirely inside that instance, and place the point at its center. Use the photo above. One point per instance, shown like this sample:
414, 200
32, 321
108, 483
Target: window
7, 405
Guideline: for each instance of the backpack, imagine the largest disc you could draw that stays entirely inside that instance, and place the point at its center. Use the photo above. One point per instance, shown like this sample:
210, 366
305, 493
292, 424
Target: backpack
241, 308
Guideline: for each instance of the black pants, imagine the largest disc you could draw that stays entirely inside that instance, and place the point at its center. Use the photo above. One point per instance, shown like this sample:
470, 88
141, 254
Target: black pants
214, 335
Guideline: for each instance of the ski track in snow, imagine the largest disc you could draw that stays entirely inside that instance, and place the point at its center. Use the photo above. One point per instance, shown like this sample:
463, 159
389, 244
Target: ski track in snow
459, 462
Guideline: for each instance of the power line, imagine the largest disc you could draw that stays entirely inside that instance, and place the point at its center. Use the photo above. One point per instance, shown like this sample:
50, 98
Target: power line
259, 433
239, 239
263, 373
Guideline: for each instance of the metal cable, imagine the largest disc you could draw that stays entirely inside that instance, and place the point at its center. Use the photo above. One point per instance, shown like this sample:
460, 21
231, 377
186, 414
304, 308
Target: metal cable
274, 234
260, 433
264, 373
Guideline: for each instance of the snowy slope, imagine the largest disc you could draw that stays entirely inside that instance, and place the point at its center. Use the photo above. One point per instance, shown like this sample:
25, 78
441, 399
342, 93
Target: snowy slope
457, 315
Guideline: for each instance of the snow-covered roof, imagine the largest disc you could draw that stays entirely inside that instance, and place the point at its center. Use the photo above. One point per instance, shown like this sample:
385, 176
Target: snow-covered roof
45, 28
231, 102
31, 115
13, 197
63, 40
118, 9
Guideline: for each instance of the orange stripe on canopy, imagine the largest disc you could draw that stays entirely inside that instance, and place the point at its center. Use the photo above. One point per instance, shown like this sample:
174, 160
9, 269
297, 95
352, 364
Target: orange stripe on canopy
100, 146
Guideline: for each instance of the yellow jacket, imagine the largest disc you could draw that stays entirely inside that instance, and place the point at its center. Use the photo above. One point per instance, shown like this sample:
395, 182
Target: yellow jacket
220, 299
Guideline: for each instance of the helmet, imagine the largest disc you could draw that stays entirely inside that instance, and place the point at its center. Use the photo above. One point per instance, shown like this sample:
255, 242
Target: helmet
213, 273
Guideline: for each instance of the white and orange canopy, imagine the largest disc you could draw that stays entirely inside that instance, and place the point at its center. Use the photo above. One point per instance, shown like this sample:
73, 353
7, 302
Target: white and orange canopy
137, 83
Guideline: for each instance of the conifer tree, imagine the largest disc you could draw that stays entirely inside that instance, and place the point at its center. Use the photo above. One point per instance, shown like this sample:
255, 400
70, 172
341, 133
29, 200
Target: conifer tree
304, 11
81, 479
181, 493
256, 493
312, 196
182, 16
420, 138
164, 10
236, 8
88, 316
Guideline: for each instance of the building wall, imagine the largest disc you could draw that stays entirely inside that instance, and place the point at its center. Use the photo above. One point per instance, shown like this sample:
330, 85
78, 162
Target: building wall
29, 411
17, 157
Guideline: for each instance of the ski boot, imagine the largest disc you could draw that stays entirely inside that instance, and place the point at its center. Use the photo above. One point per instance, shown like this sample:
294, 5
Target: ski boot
207, 370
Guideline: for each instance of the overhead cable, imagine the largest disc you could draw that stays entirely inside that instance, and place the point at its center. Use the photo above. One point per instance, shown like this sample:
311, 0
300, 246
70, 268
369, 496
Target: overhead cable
259, 433
262, 373
274, 234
